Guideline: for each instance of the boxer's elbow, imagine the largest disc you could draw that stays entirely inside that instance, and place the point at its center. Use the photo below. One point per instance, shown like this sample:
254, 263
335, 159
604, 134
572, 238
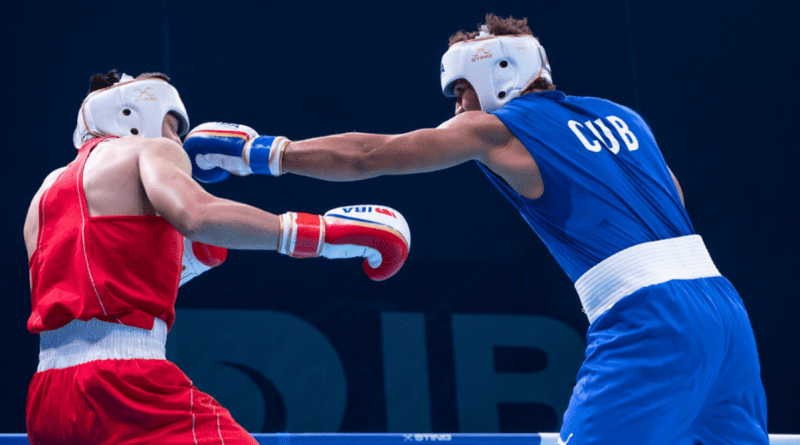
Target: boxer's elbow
189, 225
190, 217
370, 158
187, 222
362, 163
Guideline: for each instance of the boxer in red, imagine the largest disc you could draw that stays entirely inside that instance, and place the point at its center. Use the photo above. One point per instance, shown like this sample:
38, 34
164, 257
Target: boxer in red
105, 238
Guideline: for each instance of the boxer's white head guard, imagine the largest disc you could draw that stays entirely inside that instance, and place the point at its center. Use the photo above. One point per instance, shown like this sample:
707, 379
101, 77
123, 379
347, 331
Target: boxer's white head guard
498, 67
129, 107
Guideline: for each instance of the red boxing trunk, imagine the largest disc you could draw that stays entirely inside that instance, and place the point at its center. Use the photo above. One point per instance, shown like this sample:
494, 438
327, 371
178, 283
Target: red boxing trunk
126, 402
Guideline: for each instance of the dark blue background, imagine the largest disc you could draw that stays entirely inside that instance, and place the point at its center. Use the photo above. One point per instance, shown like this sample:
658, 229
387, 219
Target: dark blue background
717, 82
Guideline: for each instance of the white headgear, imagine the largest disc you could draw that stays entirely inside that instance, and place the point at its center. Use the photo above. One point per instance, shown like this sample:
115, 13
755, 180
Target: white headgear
498, 67
129, 107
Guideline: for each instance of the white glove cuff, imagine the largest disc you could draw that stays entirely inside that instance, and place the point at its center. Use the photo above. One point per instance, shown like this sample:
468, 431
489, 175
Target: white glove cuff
272, 160
302, 235
286, 241
276, 155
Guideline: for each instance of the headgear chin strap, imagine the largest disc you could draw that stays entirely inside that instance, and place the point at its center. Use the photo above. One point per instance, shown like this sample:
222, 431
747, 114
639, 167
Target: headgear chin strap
129, 107
498, 67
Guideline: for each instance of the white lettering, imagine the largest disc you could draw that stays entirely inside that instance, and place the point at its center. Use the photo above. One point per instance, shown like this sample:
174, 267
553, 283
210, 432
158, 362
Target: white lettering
614, 142
597, 135
594, 146
433, 437
626, 134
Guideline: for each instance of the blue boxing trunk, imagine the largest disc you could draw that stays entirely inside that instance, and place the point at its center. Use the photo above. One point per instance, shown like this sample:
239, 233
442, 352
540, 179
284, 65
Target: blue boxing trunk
671, 356
672, 363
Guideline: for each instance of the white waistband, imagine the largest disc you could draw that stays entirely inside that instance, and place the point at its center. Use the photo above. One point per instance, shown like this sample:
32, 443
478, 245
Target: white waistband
81, 342
625, 272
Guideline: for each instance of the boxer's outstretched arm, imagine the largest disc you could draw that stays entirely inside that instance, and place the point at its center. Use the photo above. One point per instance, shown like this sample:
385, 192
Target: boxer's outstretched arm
378, 234
352, 156
165, 172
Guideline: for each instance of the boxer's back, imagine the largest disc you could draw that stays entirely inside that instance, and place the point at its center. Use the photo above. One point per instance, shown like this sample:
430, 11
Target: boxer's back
111, 179
97, 247
111, 184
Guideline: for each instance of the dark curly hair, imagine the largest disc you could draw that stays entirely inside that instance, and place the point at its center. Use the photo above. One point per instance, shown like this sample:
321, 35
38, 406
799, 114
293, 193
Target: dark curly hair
100, 81
504, 27
497, 26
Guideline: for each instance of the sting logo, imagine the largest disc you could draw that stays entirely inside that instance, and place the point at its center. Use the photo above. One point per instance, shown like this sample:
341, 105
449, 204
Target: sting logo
144, 95
482, 53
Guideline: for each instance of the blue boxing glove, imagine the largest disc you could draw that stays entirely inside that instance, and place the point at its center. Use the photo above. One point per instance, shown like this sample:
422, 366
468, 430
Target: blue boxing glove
217, 149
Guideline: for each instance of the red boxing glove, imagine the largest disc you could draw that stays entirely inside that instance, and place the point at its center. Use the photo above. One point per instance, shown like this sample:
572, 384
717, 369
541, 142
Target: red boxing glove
378, 234
199, 257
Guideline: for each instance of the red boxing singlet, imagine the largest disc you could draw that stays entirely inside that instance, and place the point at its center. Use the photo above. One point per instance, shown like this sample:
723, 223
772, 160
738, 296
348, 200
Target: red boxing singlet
118, 269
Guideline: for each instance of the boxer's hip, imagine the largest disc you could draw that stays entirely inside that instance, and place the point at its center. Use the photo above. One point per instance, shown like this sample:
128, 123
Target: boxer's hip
104, 383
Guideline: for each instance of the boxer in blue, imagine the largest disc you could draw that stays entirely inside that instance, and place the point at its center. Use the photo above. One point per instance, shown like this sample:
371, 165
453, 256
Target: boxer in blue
671, 357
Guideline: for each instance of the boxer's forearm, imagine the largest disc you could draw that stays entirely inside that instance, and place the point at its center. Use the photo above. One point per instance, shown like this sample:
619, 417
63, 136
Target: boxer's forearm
344, 157
233, 225
354, 156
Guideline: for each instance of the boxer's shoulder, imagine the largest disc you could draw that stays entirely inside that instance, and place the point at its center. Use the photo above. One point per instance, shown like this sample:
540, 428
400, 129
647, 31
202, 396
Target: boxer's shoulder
132, 146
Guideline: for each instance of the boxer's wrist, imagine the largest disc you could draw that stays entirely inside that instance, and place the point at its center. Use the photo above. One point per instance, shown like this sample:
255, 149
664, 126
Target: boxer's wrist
302, 235
264, 154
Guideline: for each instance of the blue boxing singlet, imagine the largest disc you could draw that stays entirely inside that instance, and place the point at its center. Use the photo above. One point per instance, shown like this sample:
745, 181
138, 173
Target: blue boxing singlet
606, 185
